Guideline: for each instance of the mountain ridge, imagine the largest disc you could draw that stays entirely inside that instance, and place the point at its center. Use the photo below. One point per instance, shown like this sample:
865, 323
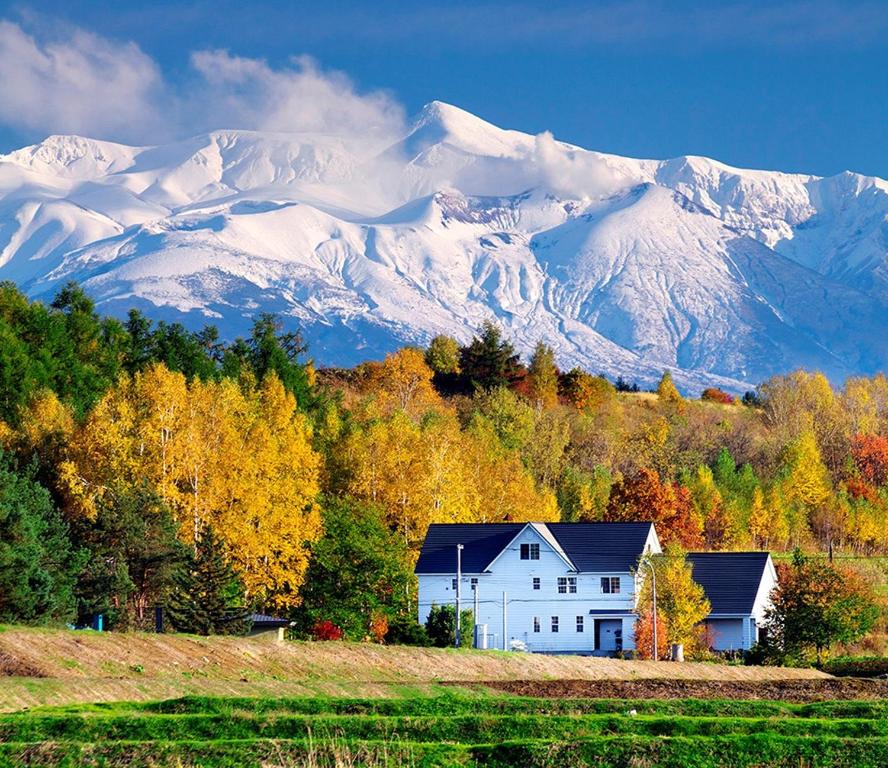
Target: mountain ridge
624, 266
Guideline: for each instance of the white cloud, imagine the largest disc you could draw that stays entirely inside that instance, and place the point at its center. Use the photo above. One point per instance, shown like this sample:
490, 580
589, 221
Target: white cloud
566, 170
248, 93
104, 89
83, 84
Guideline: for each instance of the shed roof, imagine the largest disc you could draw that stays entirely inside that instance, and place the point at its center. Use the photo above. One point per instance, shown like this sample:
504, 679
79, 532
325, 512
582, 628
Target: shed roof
731, 580
591, 547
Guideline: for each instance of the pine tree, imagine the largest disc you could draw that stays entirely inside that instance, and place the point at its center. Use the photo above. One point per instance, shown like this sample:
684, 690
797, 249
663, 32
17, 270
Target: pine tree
489, 361
209, 596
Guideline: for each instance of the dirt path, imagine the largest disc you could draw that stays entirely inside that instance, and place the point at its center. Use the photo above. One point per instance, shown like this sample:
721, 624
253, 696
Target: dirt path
798, 691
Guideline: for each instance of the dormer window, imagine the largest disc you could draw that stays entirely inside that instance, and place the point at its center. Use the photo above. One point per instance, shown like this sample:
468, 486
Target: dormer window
530, 551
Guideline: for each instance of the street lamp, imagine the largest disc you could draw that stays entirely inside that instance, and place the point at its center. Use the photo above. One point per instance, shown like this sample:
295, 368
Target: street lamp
649, 564
459, 549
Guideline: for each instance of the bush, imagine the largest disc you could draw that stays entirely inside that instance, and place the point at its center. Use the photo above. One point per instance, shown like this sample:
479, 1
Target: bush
326, 630
716, 395
857, 666
405, 630
441, 626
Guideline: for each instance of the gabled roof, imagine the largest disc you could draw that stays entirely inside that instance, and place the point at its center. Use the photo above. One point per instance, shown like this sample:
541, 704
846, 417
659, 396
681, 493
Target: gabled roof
731, 580
602, 547
591, 547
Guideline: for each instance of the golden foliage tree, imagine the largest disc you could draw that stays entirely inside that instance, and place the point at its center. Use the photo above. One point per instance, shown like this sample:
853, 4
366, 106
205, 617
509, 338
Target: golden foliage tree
405, 383
681, 600
239, 460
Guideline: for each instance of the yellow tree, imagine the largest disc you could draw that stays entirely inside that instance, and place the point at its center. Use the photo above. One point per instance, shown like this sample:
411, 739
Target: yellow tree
767, 521
405, 383
237, 460
806, 486
681, 600
268, 511
542, 376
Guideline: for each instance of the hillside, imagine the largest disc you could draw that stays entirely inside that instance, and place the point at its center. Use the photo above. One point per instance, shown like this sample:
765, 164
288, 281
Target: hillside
39, 667
624, 266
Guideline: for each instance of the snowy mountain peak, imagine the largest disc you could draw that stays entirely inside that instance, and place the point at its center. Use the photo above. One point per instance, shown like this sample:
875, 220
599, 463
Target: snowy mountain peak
624, 266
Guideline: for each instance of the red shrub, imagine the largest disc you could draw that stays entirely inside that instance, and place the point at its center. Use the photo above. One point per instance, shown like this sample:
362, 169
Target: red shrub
326, 630
716, 395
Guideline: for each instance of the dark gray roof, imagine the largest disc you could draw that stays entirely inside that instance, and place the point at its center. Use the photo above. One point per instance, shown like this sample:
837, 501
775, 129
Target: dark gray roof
482, 542
731, 580
602, 547
263, 620
592, 547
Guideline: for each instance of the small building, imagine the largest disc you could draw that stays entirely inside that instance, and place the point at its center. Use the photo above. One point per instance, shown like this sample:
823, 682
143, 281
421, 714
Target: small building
568, 587
270, 628
738, 586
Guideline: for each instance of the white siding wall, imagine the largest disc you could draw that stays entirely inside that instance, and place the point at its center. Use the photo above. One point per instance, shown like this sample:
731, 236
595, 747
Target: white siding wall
513, 575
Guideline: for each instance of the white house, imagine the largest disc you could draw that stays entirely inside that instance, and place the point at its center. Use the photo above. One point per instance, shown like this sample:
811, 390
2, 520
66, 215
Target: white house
572, 587
568, 587
738, 586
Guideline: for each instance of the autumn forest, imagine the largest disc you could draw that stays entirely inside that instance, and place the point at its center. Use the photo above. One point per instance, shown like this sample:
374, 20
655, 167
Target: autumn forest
144, 464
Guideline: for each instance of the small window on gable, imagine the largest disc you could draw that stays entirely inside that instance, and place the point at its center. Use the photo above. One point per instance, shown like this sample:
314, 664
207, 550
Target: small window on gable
572, 584
554, 623
567, 584
530, 551
536, 623
536, 582
610, 585
562, 585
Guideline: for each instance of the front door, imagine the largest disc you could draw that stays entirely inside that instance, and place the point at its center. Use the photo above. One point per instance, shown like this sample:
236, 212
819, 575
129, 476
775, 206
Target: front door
608, 635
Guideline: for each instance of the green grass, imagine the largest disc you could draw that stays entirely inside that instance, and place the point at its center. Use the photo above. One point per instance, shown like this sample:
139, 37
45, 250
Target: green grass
452, 729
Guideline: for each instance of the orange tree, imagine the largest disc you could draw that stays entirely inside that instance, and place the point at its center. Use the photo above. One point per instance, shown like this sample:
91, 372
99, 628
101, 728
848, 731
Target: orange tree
815, 605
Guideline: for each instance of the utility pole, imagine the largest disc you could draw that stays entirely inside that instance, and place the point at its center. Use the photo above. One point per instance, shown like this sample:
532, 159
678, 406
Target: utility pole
505, 622
475, 619
650, 565
459, 549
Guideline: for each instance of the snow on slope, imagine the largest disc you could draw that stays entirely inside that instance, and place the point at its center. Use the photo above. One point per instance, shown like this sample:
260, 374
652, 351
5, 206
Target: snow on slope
624, 266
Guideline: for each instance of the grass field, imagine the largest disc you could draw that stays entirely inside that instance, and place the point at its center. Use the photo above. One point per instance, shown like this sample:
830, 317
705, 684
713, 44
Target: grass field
123, 702
450, 728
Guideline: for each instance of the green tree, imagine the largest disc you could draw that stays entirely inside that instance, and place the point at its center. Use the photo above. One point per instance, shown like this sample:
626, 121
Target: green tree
209, 596
359, 570
815, 605
441, 627
37, 562
134, 555
270, 349
489, 361
442, 356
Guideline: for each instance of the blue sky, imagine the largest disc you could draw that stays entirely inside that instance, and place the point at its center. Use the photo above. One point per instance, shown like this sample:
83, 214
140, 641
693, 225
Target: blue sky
795, 85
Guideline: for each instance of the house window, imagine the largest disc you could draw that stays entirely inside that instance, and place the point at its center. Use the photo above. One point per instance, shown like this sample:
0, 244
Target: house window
453, 583
610, 585
554, 623
579, 623
530, 551
474, 583
536, 623
567, 584
562, 585
536, 582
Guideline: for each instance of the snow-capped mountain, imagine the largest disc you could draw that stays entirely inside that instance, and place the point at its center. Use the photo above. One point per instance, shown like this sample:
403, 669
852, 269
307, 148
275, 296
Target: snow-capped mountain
624, 266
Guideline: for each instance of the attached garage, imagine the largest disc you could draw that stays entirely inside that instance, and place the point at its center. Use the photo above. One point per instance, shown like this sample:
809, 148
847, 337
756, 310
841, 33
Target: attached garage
738, 586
